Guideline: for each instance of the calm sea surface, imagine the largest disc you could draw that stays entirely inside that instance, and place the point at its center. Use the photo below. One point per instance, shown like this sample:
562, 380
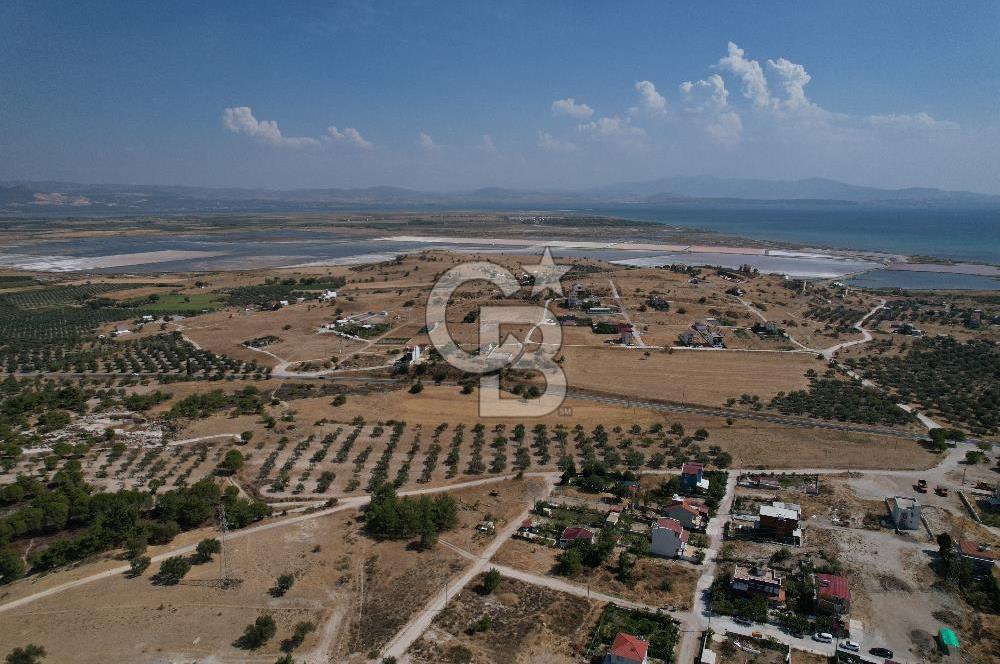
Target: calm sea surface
953, 234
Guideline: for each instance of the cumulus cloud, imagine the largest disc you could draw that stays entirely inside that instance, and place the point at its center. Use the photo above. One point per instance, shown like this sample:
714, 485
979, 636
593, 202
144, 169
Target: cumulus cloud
750, 74
793, 80
708, 94
427, 143
550, 143
569, 107
349, 135
240, 120
651, 101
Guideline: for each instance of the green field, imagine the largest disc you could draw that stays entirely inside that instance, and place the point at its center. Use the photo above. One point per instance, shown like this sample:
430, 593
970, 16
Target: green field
177, 303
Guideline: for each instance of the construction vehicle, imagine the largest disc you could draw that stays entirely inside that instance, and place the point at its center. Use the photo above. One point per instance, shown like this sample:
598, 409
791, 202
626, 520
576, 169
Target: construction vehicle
941, 490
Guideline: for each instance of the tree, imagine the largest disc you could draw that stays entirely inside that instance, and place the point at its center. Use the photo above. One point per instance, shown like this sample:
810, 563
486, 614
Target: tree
172, 570
492, 580
283, 584
29, 654
230, 463
11, 566
138, 565
257, 634
302, 630
246, 437
570, 562
416, 388
945, 544
206, 549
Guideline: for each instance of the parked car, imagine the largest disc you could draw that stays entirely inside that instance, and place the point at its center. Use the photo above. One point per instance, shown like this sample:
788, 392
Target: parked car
852, 646
742, 621
823, 637
881, 652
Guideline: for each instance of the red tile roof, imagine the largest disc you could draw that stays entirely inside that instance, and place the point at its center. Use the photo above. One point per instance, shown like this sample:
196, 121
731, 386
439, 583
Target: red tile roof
674, 525
576, 532
833, 586
627, 646
976, 550
692, 468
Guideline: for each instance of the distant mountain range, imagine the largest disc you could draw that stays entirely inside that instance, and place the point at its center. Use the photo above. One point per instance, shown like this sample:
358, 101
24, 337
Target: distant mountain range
103, 199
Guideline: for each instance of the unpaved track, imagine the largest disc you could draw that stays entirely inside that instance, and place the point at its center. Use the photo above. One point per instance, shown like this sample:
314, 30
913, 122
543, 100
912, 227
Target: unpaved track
405, 637
350, 503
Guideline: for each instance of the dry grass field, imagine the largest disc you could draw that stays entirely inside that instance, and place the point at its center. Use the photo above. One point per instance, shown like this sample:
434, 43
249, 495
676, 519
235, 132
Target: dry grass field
703, 377
133, 620
528, 625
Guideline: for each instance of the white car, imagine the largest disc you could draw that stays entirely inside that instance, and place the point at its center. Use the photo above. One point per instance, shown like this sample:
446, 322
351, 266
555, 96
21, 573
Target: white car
852, 646
823, 637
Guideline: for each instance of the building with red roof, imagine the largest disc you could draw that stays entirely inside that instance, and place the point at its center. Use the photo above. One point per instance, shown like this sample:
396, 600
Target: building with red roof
628, 649
668, 537
981, 556
833, 594
692, 476
693, 514
575, 534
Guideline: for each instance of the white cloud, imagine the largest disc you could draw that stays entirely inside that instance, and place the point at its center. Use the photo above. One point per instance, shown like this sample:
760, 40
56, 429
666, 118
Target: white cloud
726, 128
908, 122
240, 120
550, 143
487, 144
427, 143
651, 101
750, 73
793, 79
616, 130
708, 101
349, 135
708, 94
569, 107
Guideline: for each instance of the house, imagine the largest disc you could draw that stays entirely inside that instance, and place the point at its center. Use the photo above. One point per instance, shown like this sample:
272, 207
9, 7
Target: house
625, 334
757, 581
692, 514
668, 537
905, 512
692, 477
328, 295
780, 521
687, 338
833, 594
574, 534
528, 525
980, 556
628, 649
613, 518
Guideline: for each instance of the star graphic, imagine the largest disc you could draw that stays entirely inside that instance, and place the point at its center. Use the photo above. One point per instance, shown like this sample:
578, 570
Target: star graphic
547, 274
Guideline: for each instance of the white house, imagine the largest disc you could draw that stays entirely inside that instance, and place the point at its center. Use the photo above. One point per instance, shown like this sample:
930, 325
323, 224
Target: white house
668, 537
905, 512
628, 649
328, 295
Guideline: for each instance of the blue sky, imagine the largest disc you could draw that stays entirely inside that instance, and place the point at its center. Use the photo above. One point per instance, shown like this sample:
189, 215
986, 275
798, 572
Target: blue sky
445, 96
